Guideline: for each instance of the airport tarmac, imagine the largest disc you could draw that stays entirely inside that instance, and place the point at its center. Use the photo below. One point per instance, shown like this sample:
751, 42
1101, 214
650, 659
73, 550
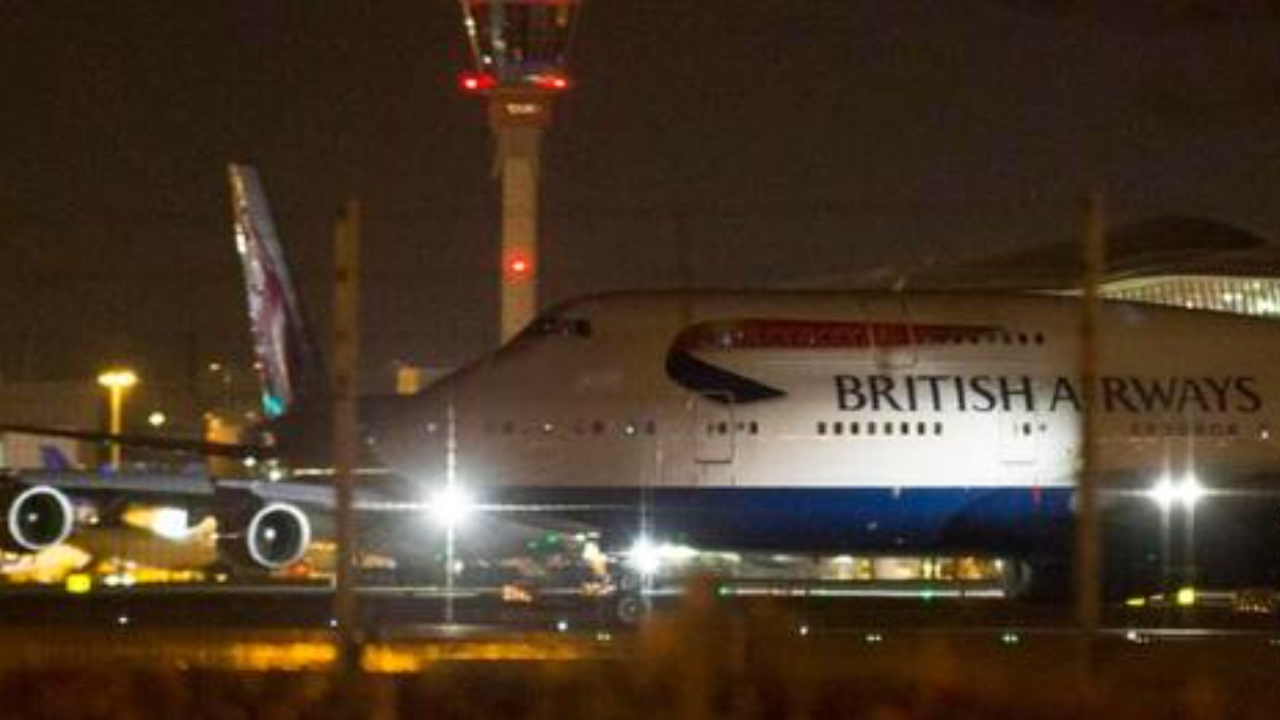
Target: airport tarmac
425, 612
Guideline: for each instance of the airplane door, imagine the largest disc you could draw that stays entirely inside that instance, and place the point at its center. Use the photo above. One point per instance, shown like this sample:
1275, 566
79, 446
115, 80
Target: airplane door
1019, 439
893, 338
714, 441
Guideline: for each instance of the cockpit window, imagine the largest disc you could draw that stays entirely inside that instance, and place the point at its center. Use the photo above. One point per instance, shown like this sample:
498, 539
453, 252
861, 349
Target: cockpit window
566, 327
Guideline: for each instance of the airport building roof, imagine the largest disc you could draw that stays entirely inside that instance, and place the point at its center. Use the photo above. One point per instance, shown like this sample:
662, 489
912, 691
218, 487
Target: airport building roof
1160, 247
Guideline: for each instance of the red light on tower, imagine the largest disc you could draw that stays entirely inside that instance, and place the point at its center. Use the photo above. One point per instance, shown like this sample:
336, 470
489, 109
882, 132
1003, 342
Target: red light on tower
517, 267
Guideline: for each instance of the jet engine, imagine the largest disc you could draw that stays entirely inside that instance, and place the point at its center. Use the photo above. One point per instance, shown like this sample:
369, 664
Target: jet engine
275, 536
35, 517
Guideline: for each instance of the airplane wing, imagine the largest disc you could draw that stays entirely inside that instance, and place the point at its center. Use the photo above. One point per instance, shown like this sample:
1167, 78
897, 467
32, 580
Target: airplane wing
261, 524
202, 448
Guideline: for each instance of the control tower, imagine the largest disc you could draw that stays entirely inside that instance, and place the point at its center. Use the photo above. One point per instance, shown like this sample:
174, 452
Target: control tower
518, 53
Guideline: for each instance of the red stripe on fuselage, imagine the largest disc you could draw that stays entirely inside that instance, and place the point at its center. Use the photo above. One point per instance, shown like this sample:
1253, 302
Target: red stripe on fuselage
820, 335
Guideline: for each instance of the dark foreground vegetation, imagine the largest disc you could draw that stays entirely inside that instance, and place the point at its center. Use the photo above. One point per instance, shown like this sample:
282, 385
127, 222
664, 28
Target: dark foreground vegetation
699, 662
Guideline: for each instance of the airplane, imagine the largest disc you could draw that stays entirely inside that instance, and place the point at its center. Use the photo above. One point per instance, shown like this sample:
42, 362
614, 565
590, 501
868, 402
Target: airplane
894, 422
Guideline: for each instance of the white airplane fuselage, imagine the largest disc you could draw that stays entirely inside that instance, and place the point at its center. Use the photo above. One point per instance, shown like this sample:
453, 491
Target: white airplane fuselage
851, 420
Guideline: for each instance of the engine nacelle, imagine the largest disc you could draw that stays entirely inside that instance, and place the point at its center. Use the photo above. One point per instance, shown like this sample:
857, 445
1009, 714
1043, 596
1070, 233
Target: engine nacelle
35, 517
275, 536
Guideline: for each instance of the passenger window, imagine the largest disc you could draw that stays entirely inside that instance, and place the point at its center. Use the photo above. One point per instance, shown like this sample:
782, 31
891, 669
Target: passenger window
567, 327
837, 428
822, 428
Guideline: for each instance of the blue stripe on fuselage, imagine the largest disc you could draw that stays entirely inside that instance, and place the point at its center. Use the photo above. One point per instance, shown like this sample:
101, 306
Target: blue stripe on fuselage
991, 520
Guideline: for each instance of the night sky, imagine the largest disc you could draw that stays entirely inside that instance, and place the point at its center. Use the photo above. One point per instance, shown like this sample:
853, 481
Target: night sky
779, 140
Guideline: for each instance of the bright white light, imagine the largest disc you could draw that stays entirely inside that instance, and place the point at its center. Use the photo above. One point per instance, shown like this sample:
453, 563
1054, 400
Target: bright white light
644, 557
647, 557
1185, 493
1192, 490
170, 523
1163, 492
451, 506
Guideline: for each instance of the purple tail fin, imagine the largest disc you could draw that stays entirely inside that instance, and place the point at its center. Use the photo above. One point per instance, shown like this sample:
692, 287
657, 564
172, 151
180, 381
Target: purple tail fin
290, 365
53, 458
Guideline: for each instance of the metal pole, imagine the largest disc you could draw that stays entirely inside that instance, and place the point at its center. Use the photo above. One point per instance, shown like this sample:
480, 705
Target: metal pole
346, 346
1087, 542
451, 531
115, 395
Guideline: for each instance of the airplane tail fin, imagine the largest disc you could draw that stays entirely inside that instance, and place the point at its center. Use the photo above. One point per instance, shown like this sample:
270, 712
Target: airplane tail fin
290, 363
52, 457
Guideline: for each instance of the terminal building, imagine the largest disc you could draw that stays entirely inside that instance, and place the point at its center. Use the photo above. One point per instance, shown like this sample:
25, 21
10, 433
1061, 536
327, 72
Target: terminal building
1183, 262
